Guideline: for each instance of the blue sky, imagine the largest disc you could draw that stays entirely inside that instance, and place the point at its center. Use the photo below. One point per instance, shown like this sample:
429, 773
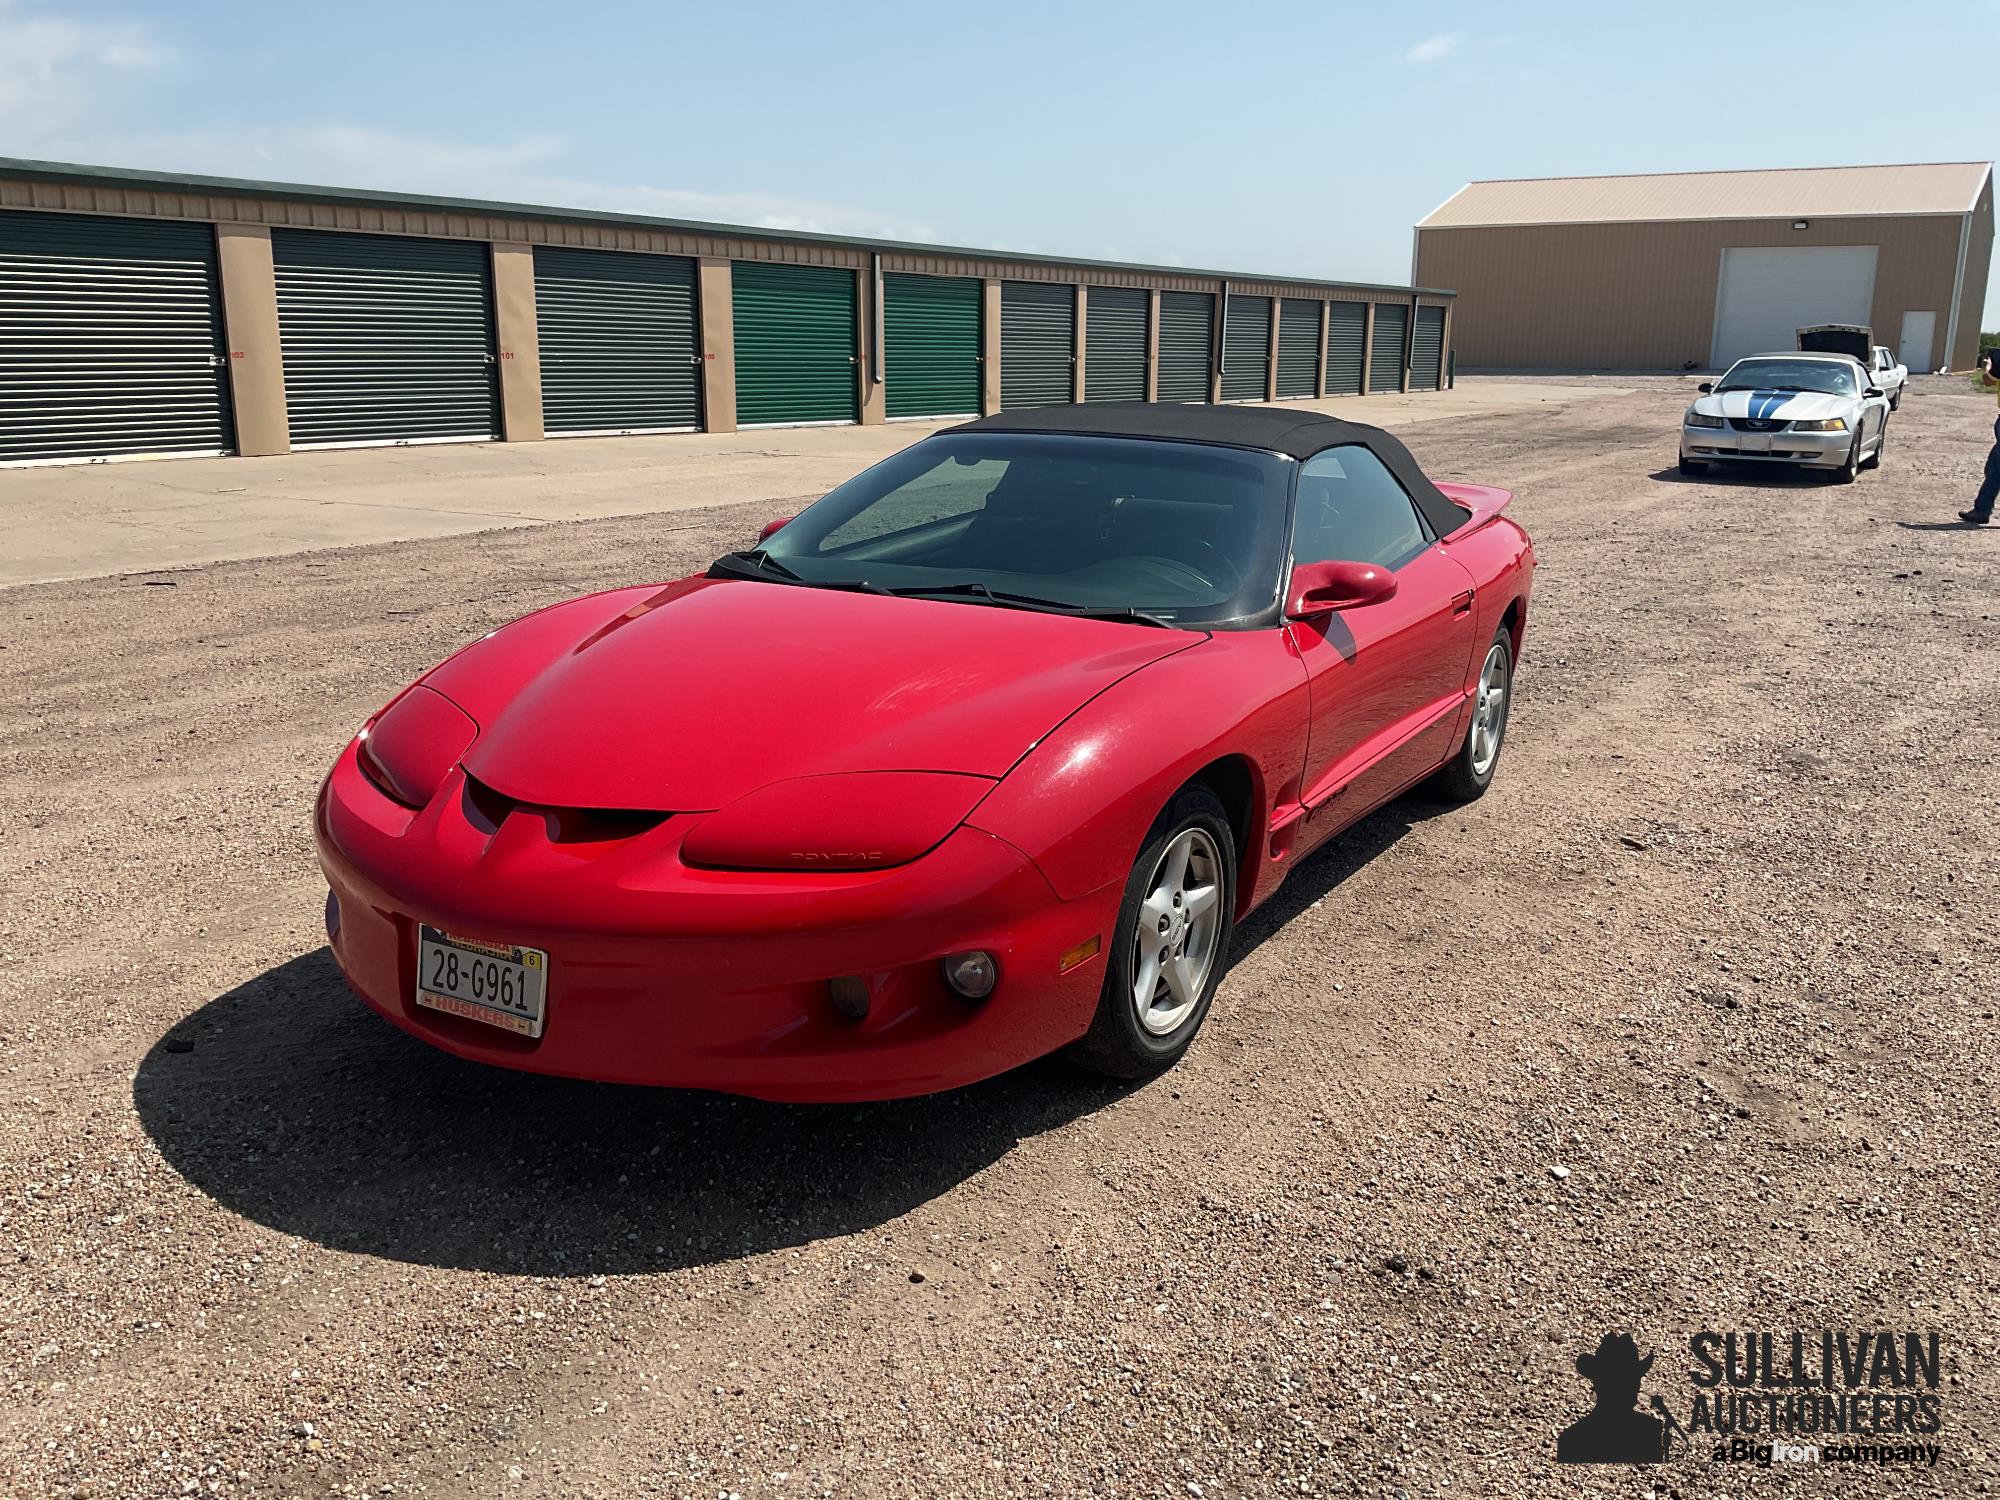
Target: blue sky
1302, 137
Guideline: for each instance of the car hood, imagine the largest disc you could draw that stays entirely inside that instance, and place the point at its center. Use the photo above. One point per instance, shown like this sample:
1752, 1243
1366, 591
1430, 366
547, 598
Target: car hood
1776, 406
708, 689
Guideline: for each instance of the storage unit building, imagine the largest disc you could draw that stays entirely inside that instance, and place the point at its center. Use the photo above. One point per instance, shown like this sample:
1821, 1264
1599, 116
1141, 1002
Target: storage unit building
1686, 270
620, 342
146, 313
1114, 367
931, 341
110, 339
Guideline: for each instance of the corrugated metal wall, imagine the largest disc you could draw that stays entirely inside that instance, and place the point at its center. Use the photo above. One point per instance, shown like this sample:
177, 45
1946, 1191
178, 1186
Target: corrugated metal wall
110, 339
1642, 296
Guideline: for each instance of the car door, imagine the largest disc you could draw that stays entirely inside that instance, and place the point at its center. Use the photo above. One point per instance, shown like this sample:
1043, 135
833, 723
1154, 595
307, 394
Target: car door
1385, 680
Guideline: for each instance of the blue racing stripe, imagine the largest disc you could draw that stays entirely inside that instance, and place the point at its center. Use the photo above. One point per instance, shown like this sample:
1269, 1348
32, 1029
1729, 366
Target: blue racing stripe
1763, 403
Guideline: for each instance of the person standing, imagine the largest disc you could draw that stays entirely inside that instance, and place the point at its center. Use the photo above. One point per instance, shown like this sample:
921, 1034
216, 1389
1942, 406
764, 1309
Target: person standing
1989, 489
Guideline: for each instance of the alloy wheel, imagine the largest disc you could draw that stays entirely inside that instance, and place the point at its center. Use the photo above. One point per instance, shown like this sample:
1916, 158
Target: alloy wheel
1177, 934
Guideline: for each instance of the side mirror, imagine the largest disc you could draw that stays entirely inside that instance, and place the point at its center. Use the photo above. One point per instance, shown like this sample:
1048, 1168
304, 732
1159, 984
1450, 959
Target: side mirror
1707, 387
1321, 588
772, 528
1873, 390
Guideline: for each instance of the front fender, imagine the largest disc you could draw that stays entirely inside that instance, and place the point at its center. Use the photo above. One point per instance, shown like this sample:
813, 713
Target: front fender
1080, 803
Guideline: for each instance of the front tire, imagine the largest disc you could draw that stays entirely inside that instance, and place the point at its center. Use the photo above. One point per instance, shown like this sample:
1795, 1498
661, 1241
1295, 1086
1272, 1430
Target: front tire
1874, 460
1170, 948
1848, 472
1693, 468
1467, 775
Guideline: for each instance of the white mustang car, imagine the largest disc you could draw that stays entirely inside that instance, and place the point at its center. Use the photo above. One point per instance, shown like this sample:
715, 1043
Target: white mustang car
1817, 411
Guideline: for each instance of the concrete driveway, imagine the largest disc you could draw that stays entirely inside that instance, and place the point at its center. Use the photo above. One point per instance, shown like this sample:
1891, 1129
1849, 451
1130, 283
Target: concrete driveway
83, 521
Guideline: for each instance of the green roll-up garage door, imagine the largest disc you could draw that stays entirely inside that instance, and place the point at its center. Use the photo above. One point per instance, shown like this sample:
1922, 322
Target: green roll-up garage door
1246, 349
1427, 349
1298, 347
1114, 344
1346, 328
620, 343
795, 349
110, 339
387, 338
1187, 345
1385, 351
930, 335
1037, 344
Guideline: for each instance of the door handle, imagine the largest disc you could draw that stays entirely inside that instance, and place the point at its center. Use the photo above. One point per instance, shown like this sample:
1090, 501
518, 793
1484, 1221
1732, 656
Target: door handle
1461, 604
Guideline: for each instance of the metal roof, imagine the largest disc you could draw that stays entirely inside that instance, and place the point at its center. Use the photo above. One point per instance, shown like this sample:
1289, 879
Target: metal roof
1778, 193
80, 175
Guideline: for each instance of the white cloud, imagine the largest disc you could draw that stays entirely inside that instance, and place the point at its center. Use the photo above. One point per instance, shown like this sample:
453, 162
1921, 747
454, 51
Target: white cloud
1435, 48
55, 71
68, 92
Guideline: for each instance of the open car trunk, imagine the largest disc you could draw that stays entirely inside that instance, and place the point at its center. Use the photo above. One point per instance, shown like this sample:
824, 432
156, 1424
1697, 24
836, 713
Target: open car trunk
1856, 339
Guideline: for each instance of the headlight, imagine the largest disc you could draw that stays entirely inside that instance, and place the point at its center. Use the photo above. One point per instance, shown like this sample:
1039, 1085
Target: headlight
861, 820
412, 745
1827, 424
1701, 419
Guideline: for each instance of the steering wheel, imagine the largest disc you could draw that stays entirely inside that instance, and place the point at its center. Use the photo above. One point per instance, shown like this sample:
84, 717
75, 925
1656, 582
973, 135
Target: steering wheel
1211, 565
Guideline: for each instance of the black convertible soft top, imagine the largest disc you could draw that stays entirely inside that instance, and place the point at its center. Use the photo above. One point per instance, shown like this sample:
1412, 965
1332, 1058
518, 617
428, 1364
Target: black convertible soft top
1298, 434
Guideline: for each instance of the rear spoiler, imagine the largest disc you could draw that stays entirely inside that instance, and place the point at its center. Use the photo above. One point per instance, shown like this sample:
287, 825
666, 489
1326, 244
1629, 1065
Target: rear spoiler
1483, 500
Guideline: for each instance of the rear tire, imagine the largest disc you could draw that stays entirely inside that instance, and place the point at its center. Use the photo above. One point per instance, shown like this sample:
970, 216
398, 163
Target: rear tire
1135, 1035
1467, 775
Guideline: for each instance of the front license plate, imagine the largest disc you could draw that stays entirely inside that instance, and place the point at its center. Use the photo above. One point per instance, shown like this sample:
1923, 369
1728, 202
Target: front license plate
1754, 442
490, 982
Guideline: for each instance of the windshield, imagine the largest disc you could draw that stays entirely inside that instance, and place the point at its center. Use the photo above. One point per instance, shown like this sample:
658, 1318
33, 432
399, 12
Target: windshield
1188, 534
1830, 377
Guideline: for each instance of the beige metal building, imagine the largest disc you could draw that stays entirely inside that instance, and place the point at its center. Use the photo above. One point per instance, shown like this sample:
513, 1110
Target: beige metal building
150, 314
1694, 269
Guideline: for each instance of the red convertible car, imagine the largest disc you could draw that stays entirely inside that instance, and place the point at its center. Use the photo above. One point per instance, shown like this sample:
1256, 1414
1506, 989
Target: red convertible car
981, 756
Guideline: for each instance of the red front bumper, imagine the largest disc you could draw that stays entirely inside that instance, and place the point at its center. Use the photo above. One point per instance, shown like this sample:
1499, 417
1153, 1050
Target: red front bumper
661, 973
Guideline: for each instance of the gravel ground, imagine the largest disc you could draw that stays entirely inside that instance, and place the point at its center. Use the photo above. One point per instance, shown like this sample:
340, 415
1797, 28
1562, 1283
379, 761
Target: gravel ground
1688, 1024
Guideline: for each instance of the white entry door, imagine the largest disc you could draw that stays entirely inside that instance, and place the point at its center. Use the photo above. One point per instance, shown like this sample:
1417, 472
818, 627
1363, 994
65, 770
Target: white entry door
1913, 349
1768, 293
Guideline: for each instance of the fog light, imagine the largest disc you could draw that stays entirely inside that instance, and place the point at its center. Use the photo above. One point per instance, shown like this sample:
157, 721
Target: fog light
850, 996
973, 975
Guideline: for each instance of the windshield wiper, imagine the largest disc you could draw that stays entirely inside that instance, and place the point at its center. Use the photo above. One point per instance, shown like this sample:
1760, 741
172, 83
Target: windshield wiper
1029, 601
757, 563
